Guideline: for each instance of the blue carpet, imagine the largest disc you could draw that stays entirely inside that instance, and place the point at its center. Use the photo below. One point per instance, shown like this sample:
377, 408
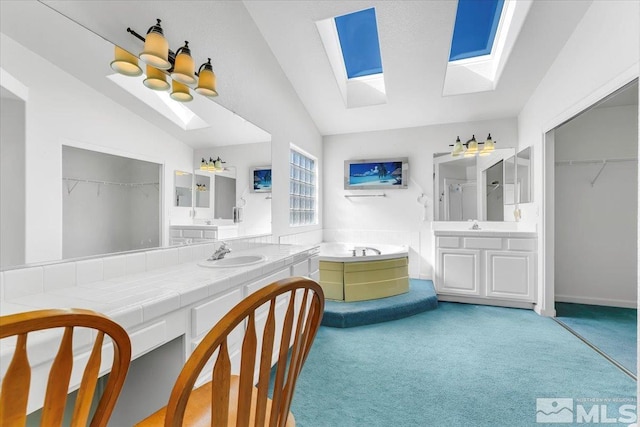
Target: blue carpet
459, 365
421, 297
613, 330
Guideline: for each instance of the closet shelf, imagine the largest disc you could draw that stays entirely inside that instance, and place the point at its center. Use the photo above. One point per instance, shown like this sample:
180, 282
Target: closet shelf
76, 181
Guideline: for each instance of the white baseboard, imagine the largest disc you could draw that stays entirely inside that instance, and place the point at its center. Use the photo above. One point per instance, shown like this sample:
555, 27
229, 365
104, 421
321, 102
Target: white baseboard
597, 301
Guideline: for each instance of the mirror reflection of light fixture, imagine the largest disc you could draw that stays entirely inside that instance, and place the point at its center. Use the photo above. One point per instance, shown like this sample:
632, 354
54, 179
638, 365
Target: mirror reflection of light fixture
206, 80
180, 92
162, 61
156, 48
156, 79
125, 63
183, 69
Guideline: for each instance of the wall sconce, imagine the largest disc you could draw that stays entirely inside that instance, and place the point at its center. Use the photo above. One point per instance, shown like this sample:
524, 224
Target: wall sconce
162, 62
212, 165
470, 148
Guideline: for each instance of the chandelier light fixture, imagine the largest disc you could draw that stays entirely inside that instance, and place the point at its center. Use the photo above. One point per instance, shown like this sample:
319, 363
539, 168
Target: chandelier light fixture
161, 62
471, 147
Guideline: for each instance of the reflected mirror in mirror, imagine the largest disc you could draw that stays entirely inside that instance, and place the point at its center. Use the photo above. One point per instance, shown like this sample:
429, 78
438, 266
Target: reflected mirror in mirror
510, 180
225, 197
183, 189
494, 192
101, 113
459, 196
202, 190
523, 175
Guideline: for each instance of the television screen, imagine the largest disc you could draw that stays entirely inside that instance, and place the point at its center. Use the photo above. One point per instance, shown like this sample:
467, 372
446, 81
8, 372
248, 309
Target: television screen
376, 174
261, 179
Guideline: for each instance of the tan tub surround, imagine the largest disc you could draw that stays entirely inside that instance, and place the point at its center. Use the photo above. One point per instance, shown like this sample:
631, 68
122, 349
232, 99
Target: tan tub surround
157, 296
494, 264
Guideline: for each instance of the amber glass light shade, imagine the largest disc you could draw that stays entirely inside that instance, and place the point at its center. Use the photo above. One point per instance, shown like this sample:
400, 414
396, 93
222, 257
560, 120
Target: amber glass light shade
181, 92
472, 149
489, 146
156, 49
183, 71
156, 79
207, 80
125, 63
458, 148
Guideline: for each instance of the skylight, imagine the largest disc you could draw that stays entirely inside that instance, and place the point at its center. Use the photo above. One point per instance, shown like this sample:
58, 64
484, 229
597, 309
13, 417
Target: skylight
475, 28
358, 34
353, 50
178, 113
484, 34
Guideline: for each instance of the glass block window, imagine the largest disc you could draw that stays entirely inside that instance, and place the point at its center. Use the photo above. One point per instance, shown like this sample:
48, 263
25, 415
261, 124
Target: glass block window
302, 189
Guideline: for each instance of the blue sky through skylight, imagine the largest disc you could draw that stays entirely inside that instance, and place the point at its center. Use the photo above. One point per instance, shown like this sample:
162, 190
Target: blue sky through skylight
475, 28
358, 34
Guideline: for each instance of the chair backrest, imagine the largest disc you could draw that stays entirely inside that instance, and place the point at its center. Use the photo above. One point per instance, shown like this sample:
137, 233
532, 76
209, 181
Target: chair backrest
14, 393
297, 330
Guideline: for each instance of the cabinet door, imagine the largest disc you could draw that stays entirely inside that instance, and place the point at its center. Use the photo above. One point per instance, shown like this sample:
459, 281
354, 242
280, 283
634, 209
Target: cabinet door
510, 275
458, 272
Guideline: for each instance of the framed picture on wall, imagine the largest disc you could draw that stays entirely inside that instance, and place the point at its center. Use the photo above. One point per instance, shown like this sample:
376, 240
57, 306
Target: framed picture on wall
261, 177
376, 174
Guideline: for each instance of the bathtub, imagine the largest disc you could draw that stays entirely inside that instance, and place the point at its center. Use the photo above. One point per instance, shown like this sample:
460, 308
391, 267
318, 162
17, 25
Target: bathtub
357, 272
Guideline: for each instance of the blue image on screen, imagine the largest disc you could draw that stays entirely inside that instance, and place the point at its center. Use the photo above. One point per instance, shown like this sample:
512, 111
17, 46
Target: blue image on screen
262, 180
375, 174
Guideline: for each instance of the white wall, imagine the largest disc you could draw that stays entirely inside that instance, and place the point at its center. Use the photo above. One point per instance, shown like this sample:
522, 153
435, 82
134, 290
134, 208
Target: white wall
71, 113
12, 186
600, 56
398, 218
596, 236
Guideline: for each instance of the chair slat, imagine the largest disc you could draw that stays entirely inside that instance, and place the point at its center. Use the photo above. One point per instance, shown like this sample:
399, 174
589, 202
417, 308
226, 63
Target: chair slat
220, 393
88, 384
247, 367
282, 359
265, 364
14, 394
296, 355
58, 384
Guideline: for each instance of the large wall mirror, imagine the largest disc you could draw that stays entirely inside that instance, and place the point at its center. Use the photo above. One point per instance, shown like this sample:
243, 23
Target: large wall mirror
82, 103
473, 187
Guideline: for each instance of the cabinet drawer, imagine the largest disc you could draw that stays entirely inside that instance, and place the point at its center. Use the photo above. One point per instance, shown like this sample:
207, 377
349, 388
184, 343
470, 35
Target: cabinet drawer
283, 274
193, 233
448, 242
482, 243
521, 244
210, 234
204, 316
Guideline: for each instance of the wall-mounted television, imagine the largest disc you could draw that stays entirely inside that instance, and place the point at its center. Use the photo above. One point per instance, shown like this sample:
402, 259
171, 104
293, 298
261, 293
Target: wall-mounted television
261, 177
376, 174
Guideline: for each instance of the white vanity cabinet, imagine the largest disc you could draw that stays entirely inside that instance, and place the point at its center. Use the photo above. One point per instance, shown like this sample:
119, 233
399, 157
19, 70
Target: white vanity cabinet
486, 267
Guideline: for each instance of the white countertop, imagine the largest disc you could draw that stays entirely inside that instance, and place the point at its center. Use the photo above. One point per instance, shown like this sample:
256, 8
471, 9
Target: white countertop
134, 299
486, 233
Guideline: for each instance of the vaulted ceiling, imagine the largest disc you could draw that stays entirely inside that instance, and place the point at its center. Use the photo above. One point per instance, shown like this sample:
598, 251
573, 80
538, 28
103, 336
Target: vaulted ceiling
414, 37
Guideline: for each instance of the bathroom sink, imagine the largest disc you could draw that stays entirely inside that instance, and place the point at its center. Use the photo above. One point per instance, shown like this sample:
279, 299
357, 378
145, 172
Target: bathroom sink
233, 261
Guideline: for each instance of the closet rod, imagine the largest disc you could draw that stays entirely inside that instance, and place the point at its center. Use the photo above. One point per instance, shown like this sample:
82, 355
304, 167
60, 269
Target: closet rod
587, 162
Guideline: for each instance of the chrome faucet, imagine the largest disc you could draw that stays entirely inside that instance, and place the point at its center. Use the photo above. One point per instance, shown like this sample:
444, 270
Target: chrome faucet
475, 226
220, 252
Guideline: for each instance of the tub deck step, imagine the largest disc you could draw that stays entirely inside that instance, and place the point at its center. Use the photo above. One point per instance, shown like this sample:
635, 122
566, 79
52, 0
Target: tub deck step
421, 297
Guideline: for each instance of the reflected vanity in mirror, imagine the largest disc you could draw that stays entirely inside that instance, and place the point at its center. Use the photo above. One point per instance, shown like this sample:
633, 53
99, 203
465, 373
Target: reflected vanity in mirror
470, 187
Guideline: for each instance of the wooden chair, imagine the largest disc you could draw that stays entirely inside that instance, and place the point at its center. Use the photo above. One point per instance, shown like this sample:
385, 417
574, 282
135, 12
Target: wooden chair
233, 400
14, 393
